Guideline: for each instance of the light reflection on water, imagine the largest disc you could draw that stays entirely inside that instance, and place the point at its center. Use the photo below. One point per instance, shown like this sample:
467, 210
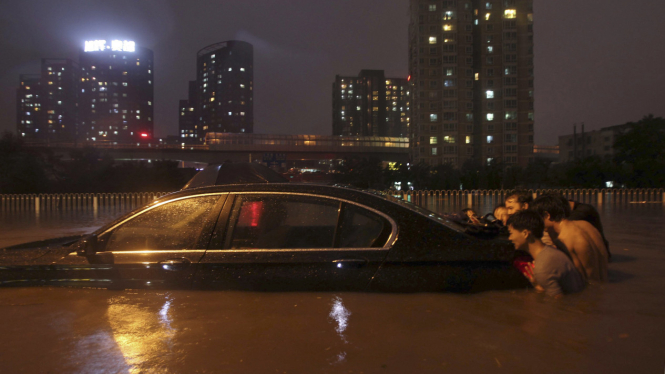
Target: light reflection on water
612, 328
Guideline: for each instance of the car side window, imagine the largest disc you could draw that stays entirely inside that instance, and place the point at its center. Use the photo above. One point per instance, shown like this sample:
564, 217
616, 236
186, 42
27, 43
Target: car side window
285, 222
172, 226
360, 228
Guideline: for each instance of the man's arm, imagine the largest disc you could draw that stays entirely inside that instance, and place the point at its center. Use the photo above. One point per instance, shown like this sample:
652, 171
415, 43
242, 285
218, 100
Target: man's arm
548, 280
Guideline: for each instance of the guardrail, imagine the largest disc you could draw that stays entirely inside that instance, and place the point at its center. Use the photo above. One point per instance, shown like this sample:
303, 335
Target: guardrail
597, 196
39, 202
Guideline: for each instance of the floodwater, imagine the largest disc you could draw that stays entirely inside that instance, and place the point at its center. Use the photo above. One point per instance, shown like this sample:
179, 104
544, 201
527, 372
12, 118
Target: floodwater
618, 327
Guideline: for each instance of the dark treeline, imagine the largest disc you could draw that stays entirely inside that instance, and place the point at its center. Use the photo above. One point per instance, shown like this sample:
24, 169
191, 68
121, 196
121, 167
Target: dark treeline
32, 170
639, 162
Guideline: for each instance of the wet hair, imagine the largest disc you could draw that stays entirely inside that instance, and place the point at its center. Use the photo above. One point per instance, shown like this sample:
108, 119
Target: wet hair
527, 220
553, 204
500, 206
522, 196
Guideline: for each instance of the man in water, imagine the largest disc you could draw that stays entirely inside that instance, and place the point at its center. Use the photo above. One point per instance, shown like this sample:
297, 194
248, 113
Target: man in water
578, 239
501, 213
552, 271
518, 200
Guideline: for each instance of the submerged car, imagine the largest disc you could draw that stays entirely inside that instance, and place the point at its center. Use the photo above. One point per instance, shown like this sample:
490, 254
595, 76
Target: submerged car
271, 237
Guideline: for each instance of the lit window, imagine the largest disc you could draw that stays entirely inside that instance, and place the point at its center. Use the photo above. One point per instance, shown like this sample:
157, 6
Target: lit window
487, 16
432, 7
242, 86
489, 94
510, 13
477, 76
433, 140
490, 49
488, 5
433, 151
432, 40
433, 117
242, 69
229, 113
468, 139
449, 139
490, 139
447, 27
230, 69
490, 116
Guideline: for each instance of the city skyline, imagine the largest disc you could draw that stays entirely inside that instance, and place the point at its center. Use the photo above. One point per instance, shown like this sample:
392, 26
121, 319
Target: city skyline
587, 69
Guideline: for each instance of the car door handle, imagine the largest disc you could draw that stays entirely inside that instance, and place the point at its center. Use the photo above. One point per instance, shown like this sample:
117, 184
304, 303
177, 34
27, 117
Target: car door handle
175, 264
349, 263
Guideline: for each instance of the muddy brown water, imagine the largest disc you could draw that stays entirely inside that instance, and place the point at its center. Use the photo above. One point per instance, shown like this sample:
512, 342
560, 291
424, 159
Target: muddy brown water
618, 327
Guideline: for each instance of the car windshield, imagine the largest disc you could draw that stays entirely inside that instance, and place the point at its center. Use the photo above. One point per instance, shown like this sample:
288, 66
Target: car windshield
425, 212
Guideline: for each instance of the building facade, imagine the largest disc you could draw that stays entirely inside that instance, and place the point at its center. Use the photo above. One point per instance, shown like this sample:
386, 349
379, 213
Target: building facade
471, 66
188, 129
371, 105
580, 145
223, 97
47, 102
116, 92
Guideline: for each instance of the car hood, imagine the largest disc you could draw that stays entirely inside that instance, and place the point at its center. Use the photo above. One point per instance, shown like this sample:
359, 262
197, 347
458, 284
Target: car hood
43, 251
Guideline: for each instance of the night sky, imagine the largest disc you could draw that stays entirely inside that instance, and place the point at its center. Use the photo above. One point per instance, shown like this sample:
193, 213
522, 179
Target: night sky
596, 61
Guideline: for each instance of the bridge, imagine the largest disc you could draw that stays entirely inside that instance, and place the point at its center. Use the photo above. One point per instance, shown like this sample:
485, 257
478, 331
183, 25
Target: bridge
291, 150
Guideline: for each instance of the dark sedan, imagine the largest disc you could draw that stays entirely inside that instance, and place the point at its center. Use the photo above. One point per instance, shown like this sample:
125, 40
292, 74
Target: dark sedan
271, 237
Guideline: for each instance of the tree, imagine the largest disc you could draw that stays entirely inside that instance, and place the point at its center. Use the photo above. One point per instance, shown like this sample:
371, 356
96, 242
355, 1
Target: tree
21, 170
641, 148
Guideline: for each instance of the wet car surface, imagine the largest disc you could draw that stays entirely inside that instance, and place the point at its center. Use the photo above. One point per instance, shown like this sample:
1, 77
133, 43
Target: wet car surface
271, 237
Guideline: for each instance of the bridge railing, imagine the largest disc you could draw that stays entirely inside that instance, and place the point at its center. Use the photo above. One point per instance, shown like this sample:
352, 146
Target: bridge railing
131, 200
65, 201
595, 196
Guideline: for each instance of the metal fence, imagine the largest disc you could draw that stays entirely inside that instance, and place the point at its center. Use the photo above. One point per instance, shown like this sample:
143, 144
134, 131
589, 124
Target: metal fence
592, 196
42, 202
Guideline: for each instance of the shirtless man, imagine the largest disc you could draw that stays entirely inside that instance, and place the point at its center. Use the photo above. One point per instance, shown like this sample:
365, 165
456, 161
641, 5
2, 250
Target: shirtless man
578, 239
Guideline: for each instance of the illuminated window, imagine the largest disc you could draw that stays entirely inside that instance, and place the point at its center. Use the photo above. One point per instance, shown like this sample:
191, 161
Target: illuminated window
490, 139
487, 16
242, 69
490, 116
448, 15
490, 49
447, 27
230, 69
432, 7
449, 139
510, 13
477, 76
433, 117
432, 40
433, 151
468, 139
433, 140
488, 5
489, 94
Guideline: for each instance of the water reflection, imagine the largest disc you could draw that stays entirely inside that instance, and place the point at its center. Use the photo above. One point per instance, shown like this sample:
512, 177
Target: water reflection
143, 337
340, 315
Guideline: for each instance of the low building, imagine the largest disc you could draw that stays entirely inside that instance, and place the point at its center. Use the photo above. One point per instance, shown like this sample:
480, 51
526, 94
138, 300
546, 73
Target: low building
591, 143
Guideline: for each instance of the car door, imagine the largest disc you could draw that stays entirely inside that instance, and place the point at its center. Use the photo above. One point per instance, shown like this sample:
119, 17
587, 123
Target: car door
161, 246
288, 242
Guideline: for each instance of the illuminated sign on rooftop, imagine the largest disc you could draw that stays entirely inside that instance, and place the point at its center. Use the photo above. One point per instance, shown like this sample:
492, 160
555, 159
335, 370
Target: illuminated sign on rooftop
115, 45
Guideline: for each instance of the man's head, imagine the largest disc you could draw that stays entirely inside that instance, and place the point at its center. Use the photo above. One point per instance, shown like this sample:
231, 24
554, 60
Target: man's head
518, 200
525, 226
468, 212
553, 207
501, 213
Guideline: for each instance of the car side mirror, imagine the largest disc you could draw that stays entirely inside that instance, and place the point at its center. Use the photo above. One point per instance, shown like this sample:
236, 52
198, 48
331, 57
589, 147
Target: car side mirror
87, 246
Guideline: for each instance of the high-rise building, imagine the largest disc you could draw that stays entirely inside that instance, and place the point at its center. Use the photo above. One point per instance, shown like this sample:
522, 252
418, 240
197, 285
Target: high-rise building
116, 98
188, 129
371, 105
224, 99
28, 105
47, 103
471, 66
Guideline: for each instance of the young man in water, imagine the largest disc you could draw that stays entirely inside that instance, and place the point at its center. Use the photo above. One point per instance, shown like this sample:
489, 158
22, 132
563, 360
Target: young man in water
518, 200
552, 271
578, 239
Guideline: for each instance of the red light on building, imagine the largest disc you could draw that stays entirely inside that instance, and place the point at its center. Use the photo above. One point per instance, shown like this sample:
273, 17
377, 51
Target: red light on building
408, 79
144, 134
